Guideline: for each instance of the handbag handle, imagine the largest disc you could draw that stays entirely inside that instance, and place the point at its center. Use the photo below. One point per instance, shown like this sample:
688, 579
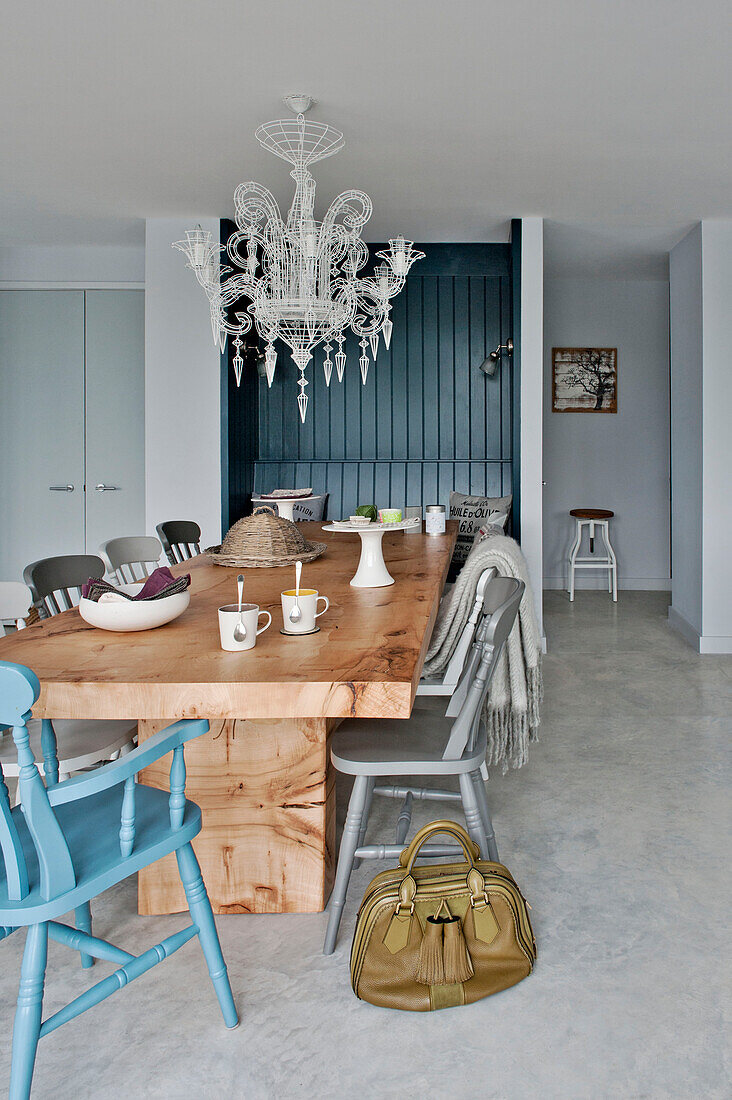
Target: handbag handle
471, 849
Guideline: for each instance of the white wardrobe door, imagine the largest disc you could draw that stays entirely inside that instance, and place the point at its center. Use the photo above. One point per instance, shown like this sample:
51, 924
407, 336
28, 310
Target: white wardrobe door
115, 415
41, 426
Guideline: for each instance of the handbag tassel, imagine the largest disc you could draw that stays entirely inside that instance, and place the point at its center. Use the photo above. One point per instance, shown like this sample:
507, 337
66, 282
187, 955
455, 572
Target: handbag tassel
431, 970
457, 965
444, 958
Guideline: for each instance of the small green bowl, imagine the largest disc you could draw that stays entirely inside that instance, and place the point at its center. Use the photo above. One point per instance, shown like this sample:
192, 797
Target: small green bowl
390, 515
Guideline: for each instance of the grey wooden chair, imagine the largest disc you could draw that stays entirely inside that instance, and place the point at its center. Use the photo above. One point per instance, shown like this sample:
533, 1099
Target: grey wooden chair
446, 684
131, 558
372, 748
181, 539
55, 584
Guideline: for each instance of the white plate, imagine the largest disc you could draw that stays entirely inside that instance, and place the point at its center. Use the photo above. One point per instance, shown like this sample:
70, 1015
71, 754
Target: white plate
127, 615
346, 525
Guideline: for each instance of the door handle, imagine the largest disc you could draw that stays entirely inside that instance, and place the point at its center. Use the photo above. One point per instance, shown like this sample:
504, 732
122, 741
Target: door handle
106, 488
61, 488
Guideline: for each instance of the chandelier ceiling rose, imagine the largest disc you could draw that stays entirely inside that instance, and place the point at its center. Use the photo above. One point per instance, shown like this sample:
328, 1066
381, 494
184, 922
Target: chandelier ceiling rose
296, 278
300, 104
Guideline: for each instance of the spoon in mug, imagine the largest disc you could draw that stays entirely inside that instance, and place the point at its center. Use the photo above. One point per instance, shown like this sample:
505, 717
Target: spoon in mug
240, 631
295, 612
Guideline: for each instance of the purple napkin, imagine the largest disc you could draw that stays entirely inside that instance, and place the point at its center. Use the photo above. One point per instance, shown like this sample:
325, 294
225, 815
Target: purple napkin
160, 583
157, 582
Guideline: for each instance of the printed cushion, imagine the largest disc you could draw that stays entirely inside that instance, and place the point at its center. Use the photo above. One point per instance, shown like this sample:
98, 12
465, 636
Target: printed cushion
313, 508
472, 514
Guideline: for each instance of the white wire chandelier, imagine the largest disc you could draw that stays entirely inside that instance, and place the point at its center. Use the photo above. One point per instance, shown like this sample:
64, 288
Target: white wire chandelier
298, 279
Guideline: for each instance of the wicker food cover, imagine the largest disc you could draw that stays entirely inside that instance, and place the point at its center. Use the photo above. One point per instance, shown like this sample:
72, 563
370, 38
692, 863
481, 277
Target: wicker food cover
265, 540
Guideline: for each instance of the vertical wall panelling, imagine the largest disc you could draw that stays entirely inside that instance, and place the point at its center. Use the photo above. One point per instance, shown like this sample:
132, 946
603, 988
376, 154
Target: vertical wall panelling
427, 420
239, 431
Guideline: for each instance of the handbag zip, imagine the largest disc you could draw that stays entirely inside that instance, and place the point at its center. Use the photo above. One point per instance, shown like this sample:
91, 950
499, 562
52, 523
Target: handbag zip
375, 902
427, 884
386, 878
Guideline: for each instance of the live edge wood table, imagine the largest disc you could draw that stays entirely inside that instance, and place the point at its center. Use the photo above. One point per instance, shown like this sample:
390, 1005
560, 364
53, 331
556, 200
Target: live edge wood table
262, 775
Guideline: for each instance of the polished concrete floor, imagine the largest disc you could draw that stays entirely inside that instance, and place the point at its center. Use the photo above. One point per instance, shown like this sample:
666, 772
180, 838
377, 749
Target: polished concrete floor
617, 831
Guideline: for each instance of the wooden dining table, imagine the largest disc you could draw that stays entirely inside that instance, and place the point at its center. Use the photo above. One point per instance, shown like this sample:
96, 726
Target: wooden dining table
262, 774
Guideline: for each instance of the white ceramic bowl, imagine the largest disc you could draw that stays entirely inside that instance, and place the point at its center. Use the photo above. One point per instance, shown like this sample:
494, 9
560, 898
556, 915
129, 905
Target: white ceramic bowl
126, 615
359, 521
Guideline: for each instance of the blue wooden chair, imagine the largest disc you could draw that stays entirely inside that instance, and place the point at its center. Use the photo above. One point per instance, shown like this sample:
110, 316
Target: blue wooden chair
67, 842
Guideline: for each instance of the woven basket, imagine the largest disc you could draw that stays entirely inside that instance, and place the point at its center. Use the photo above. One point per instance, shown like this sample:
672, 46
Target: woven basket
263, 541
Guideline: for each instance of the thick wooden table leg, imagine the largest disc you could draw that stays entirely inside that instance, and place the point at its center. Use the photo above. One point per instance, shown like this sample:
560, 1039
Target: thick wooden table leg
267, 791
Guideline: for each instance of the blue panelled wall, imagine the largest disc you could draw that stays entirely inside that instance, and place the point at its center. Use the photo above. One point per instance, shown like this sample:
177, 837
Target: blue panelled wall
427, 420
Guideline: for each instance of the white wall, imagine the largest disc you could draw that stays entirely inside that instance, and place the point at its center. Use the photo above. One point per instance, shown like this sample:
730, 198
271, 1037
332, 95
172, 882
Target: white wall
532, 306
701, 358
182, 387
610, 460
72, 265
717, 420
685, 272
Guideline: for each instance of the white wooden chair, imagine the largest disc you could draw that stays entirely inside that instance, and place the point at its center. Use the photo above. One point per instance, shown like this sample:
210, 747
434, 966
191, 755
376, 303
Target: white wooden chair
371, 748
132, 558
16, 600
53, 587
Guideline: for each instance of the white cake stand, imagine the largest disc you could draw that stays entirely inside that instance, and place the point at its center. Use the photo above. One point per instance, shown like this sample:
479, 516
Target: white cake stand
285, 505
372, 571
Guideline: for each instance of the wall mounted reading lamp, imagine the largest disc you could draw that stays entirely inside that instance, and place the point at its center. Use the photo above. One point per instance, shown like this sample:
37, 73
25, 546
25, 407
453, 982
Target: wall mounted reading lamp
489, 366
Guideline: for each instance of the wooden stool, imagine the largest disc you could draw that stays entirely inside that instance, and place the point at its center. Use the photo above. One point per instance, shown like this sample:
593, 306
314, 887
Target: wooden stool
592, 518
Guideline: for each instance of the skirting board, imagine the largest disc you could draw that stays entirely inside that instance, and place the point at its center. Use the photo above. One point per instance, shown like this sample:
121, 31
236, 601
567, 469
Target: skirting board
598, 582
705, 644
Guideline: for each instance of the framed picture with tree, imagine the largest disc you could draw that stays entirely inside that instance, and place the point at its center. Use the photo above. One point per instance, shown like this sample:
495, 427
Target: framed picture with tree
585, 380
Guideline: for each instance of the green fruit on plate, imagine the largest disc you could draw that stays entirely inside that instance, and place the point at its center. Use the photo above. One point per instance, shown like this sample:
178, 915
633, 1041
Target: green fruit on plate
366, 510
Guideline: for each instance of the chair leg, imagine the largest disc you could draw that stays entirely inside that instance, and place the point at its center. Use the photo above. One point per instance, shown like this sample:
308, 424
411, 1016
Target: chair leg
366, 815
83, 920
613, 564
349, 843
27, 1026
491, 848
572, 559
200, 907
471, 809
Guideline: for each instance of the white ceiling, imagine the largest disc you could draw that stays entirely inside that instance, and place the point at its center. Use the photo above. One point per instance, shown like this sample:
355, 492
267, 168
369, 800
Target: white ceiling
610, 116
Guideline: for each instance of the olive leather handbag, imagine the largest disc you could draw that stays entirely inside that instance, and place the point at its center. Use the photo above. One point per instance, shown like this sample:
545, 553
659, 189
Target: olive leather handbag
436, 936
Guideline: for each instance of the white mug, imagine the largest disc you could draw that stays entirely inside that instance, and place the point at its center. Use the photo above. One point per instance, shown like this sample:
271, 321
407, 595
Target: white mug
229, 617
308, 603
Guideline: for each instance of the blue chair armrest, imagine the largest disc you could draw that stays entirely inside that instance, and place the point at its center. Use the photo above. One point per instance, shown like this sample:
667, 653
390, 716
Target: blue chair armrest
110, 775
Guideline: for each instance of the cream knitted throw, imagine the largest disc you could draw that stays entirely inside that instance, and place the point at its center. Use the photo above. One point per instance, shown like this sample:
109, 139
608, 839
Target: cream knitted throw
512, 707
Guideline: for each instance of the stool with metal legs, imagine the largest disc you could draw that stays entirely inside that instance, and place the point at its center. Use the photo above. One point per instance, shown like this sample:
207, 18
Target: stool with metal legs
370, 749
592, 518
